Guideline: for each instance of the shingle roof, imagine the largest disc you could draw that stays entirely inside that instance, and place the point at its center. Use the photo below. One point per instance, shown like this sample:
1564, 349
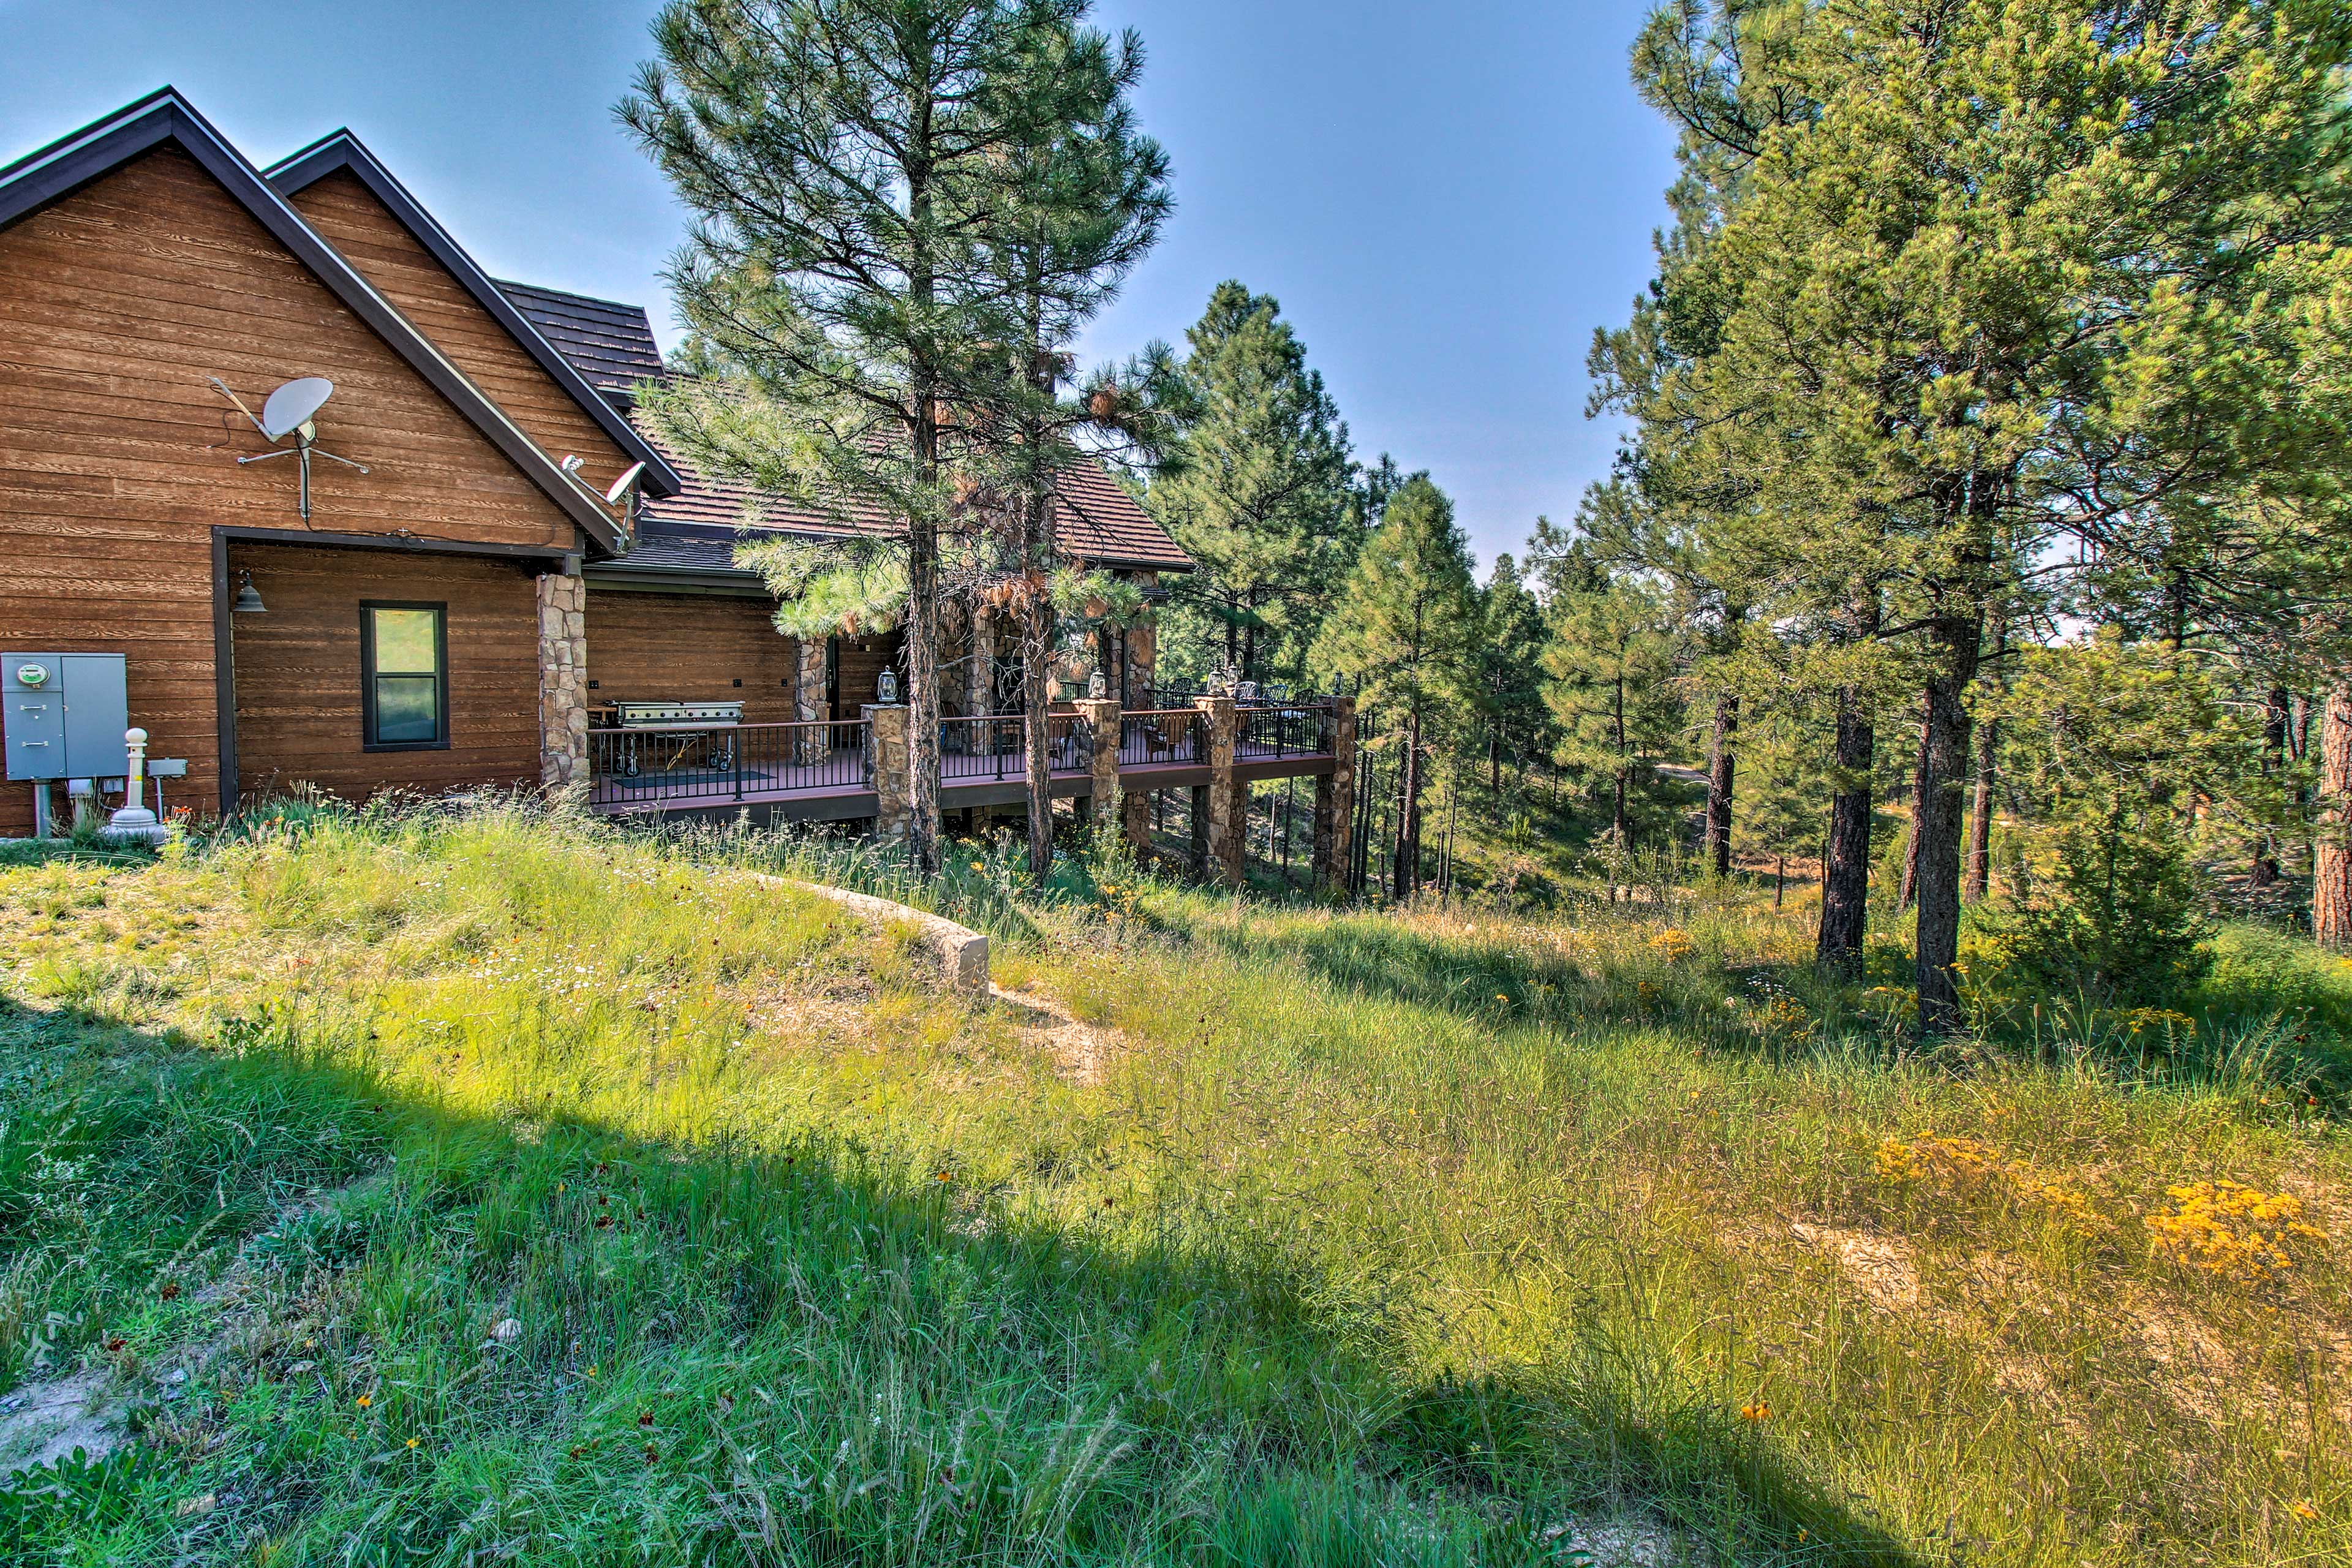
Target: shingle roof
612, 345
609, 343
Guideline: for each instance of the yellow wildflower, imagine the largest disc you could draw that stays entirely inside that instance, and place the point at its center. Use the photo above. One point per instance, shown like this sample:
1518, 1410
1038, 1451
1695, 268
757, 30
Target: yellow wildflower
2229, 1229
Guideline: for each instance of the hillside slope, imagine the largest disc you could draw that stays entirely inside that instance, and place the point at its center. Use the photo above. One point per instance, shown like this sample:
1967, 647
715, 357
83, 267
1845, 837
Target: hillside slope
493, 1188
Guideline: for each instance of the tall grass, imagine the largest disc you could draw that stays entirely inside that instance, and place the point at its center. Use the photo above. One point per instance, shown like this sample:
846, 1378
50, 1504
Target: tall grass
1412, 1238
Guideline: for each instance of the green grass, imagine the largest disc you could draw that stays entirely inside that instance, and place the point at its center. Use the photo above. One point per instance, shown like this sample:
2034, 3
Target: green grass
1389, 1239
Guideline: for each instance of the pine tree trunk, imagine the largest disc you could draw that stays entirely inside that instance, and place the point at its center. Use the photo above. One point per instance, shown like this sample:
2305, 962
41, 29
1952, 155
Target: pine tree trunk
1957, 647
1907, 890
2331, 860
1980, 880
1845, 870
1408, 854
1721, 757
1036, 701
2275, 723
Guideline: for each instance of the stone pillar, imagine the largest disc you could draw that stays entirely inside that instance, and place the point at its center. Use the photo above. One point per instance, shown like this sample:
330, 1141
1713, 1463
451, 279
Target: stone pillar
1217, 725
1100, 715
808, 700
885, 765
1135, 816
563, 676
1335, 800
980, 680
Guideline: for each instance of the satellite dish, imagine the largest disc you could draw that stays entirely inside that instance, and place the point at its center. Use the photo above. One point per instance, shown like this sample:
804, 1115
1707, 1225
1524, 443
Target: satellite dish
291, 406
621, 486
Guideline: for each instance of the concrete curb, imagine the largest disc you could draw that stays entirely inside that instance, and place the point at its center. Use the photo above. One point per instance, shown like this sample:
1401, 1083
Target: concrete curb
962, 952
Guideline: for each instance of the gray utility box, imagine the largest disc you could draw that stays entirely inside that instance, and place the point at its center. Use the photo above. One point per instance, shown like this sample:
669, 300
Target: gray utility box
65, 716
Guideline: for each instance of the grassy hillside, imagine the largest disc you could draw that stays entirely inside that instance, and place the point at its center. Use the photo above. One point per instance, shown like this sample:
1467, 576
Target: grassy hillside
488, 1188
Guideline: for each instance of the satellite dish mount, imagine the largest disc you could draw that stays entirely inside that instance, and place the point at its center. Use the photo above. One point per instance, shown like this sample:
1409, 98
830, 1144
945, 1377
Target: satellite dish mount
292, 411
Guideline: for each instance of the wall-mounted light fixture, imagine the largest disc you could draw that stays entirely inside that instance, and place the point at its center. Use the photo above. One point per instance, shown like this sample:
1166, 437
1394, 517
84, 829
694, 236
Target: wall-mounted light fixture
249, 597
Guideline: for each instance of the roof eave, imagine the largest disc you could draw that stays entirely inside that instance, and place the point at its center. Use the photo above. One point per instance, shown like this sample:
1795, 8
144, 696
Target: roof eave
43, 177
340, 150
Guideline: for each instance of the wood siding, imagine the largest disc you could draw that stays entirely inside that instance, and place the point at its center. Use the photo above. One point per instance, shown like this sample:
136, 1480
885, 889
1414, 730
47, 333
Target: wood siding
690, 648
299, 673
375, 242
117, 458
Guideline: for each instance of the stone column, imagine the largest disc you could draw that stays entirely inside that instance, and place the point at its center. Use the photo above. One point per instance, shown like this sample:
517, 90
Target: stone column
808, 700
1335, 800
1100, 715
885, 764
563, 676
979, 679
1217, 726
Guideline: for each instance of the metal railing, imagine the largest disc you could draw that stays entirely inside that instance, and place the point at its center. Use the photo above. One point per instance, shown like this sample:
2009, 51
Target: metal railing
1161, 736
984, 747
1280, 732
1070, 743
665, 764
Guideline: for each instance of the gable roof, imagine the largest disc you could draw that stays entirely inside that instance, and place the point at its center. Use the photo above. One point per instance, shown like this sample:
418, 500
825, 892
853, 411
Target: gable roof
164, 118
341, 151
613, 345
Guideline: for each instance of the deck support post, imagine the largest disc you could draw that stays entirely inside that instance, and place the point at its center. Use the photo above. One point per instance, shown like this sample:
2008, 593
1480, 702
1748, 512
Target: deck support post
562, 599
886, 730
1335, 799
1100, 716
1201, 832
1225, 795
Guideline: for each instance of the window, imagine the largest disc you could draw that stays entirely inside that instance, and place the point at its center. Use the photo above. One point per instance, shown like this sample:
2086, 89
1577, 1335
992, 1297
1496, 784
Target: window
404, 677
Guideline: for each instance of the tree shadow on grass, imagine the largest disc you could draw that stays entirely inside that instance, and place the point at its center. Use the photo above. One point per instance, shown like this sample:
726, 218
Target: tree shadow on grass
539, 1337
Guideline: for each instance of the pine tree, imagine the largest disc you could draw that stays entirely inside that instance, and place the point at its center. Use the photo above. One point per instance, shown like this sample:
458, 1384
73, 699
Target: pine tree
1406, 639
1612, 691
1093, 192
1989, 278
1259, 495
1512, 637
845, 161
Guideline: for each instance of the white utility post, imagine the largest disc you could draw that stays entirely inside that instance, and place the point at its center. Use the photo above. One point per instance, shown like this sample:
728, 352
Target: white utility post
134, 820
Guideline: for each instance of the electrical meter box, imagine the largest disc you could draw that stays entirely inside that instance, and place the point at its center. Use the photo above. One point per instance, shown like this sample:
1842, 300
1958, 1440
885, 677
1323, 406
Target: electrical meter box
65, 714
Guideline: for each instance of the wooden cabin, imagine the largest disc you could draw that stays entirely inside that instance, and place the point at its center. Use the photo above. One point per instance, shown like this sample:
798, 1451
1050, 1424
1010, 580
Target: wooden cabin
460, 601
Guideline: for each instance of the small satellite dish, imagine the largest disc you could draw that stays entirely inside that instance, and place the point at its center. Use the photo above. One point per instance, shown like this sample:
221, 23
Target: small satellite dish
291, 406
624, 484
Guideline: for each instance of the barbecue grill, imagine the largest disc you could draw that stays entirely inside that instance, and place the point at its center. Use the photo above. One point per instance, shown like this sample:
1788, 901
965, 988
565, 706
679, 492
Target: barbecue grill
674, 735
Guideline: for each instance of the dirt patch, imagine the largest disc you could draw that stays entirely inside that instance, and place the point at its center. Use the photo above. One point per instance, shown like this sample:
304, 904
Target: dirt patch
1082, 1051
1624, 1541
42, 1423
1880, 1266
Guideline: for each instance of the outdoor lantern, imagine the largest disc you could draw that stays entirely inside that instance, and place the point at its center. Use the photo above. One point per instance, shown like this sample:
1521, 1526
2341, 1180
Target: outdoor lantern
885, 687
249, 597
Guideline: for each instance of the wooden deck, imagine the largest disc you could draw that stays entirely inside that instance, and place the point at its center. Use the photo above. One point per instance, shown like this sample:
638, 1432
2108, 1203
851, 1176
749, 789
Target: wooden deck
786, 791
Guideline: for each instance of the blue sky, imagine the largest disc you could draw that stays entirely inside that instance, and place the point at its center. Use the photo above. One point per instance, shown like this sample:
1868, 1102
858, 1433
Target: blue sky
1446, 198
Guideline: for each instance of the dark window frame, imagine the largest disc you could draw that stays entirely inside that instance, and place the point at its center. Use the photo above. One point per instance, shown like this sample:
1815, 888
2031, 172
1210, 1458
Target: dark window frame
440, 609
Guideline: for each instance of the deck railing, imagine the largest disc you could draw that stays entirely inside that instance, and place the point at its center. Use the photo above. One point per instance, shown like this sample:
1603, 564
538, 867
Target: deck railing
1284, 730
1161, 736
984, 747
668, 763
